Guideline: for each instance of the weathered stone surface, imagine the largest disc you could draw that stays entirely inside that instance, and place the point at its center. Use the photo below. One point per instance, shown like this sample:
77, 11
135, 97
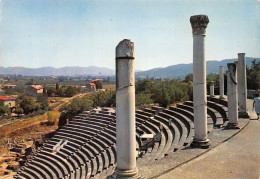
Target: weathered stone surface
211, 88
221, 82
125, 49
125, 111
232, 94
242, 84
199, 24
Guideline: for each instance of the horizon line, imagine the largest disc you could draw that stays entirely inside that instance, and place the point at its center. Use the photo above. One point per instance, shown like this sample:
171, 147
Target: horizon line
48, 66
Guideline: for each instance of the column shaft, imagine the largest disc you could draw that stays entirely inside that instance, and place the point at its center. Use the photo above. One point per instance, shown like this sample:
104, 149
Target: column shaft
232, 96
221, 82
199, 24
211, 88
242, 85
199, 88
125, 110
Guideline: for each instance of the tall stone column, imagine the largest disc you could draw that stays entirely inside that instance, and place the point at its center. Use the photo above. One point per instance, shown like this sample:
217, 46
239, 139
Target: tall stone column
211, 88
125, 111
242, 85
221, 82
232, 97
199, 24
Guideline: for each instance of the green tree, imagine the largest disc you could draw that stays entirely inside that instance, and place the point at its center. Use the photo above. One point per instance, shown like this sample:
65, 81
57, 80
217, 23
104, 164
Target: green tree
31, 82
42, 101
51, 92
98, 84
1, 103
71, 91
57, 87
103, 98
62, 91
19, 111
253, 75
145, 85
28, 104
76, 106
142, 100
189, 77
44, 91
4, 109
161, 94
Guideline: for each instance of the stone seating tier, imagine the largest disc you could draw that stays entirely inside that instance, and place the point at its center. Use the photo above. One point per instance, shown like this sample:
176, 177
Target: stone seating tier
217, 100
220, 108
91, 148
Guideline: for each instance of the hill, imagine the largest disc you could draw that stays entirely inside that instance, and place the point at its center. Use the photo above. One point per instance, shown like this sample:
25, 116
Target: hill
64, 71
181, 70
173, 71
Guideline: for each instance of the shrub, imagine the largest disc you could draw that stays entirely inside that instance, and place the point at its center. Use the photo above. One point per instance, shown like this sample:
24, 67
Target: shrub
5, 110
19, 111
52, 117
142, 100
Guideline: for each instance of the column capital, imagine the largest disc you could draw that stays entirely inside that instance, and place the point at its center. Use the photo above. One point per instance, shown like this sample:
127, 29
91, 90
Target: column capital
199, 24
231, 66
125, 50
241, 54
232, 72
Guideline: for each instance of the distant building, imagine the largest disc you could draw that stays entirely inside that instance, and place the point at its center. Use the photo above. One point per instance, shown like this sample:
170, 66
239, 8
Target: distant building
92, 81
91, 87
8, 100
34, 90
9, 86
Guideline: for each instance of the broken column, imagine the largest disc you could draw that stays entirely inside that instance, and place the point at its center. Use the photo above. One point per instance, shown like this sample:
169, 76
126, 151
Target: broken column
221, 82
242, 85
125, 111
232, 97
199, 24
211, 88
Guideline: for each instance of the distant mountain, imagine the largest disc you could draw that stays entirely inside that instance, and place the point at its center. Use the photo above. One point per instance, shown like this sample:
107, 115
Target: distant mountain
174, 71
181, 70
64, 71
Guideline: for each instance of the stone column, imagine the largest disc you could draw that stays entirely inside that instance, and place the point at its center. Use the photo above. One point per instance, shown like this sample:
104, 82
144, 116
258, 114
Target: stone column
211, 88
242, 85
221, 82
125, 111
199, 24
232, 97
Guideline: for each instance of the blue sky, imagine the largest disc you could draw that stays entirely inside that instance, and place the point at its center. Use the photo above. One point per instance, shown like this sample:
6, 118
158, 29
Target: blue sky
37, 33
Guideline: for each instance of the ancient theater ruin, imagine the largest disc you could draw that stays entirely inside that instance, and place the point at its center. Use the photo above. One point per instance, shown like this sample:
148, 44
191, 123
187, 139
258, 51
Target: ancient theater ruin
129, 143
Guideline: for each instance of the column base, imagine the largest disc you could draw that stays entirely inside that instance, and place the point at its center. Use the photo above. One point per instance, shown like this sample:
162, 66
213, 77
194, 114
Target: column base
126, 174
204, 144
243, 115
232, 126
222, 97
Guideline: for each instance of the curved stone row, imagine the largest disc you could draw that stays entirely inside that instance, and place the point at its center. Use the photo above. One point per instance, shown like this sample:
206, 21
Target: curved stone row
90, 149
